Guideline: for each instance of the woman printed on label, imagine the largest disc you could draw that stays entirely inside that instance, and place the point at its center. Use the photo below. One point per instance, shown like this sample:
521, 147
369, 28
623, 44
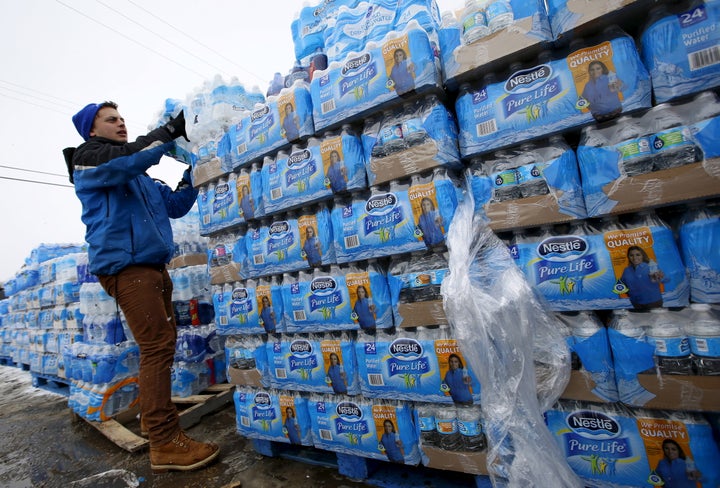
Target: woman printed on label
311, 248
291, 426
291, 123
402, 73
676, 470
458, 381
247, 205
392, 443
364, 309
643, 278
601, 92
267, 315
336, 173
430, 223
336, 374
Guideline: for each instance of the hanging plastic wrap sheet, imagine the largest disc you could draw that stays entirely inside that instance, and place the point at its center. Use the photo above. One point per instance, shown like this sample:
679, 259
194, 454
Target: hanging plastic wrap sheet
509, 338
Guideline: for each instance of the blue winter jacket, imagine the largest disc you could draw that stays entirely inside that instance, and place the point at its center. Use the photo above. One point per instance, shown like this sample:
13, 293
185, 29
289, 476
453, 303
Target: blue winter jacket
125, 211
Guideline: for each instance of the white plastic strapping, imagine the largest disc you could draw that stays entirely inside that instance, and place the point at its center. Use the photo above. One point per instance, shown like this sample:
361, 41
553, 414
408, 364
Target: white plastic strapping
506, 335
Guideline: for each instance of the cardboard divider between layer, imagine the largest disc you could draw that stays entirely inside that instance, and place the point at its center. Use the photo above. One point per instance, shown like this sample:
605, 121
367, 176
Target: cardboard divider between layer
399, 165
672, 185
421, 314
464, 462
678, 392
206, 172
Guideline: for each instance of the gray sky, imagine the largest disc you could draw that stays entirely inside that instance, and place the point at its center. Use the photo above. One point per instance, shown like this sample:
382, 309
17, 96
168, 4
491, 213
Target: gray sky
67, 53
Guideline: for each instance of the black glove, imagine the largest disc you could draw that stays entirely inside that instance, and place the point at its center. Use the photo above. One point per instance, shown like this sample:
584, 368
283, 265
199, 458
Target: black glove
176, 126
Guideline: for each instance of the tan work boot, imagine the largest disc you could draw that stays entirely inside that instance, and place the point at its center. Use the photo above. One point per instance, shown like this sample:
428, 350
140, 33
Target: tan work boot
182, 454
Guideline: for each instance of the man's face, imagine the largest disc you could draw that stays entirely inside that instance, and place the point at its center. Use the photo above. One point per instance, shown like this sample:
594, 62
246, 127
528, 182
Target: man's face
110, 125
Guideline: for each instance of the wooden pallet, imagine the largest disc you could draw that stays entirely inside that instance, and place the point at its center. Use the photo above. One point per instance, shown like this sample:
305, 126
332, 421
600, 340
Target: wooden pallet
210, 400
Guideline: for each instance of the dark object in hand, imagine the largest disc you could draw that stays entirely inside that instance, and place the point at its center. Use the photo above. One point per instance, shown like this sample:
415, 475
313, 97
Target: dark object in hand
176, 126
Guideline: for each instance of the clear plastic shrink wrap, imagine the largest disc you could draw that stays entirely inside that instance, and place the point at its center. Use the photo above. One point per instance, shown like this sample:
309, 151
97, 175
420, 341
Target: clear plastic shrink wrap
507, 335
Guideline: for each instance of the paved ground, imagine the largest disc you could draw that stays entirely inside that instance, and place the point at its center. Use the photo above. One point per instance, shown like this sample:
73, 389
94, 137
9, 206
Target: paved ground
44, 446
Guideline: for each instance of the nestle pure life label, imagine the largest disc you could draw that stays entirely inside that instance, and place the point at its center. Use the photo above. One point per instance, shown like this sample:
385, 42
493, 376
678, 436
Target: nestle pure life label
359, 427
283, 119
414, 369
238, 309
376, 225
363, 80
600, 446
224, 205
242, 312
614, 446
552, 96
266, 414
309, 363
595, 270
433, 206
281, 246
294, 178
270, 308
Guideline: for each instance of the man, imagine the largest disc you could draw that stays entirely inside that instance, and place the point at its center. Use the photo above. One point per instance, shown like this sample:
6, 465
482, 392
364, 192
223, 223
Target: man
130, 241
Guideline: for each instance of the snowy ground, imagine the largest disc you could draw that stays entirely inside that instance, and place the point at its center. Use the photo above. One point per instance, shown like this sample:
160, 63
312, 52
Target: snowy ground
44, 446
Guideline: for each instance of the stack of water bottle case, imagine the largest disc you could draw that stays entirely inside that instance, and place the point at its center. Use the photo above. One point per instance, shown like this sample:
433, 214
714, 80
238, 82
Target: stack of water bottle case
42, 314
327, 207
60, 322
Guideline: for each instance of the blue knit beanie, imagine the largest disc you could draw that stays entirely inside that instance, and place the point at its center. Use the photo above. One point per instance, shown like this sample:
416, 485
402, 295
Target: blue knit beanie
83, 120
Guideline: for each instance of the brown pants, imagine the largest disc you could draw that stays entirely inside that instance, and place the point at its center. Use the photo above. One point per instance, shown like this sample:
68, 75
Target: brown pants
144, 294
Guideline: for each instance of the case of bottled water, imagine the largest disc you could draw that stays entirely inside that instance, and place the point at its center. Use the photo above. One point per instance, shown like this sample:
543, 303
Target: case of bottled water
553, 95
372, 75
376, 429
609, 443
680, 47
418, 137
647, 150
488, 30
275, 415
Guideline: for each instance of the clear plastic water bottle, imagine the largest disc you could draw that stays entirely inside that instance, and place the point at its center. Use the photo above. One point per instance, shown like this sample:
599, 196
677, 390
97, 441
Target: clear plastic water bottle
593, 137
470, 427
704, 334
672, 143
426, 285
397, 268
672, 348
582, 325
391, 133
634, 146
276, 84
474, 21
447, 428
499, 14
530, 166
426, 423
610, 223
413, 130
706, 105
505, 178
450, 28
566, 319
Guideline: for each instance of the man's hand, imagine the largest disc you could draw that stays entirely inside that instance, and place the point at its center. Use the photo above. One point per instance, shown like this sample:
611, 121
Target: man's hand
176, 126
